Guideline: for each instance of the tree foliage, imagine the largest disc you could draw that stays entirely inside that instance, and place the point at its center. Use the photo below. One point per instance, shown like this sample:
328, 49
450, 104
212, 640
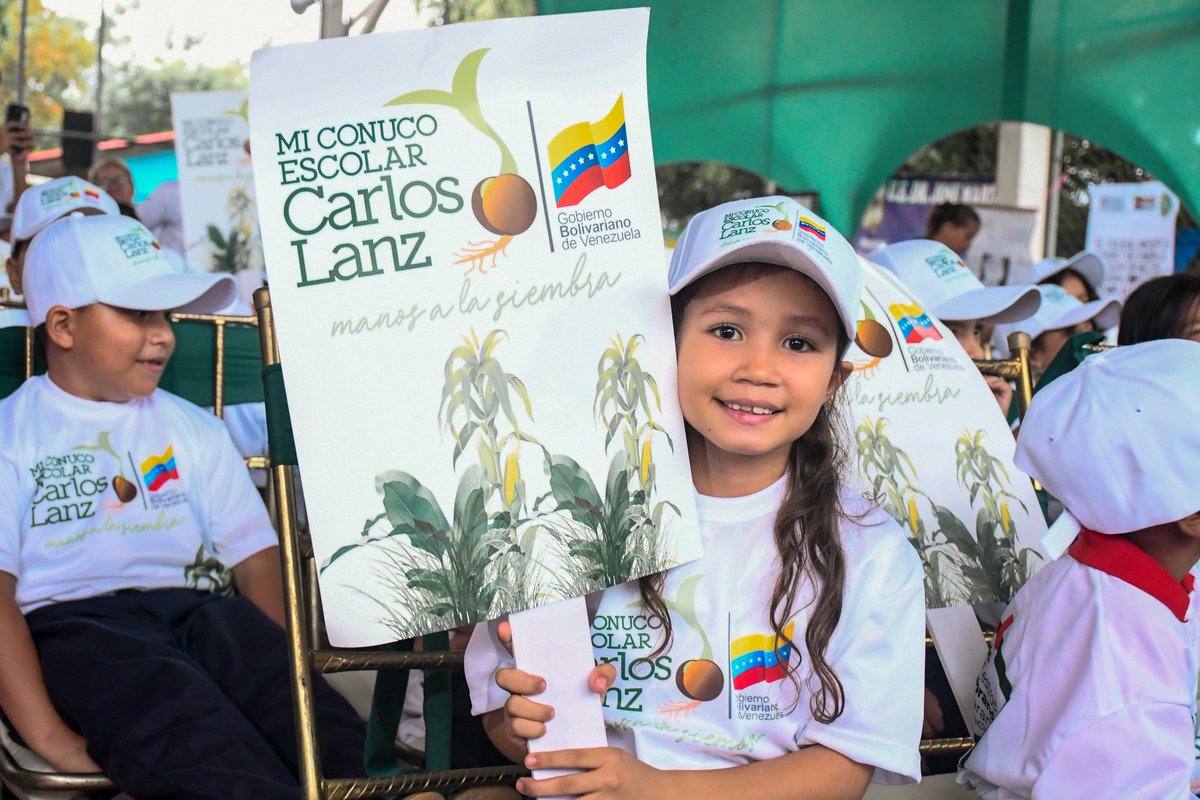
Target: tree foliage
443, 12
58, 57
137, 98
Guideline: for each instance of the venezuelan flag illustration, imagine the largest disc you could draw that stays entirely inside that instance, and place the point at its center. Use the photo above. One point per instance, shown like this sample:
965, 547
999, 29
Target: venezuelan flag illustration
588, 155
92, 193
754, 658
806, 224
915, 324
157, 470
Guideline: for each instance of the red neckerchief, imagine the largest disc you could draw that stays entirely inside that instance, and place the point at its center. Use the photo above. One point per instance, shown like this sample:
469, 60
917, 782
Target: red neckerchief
1124, 560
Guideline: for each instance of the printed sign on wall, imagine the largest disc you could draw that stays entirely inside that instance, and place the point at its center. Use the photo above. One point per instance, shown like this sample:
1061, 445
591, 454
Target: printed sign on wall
1131, 226
934, 447
463, 244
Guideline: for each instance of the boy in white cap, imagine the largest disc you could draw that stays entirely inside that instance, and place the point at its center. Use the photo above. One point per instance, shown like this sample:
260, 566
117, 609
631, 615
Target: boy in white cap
1059, 317
950, 291
116, 501
1089, 689
40, 205
1080, 276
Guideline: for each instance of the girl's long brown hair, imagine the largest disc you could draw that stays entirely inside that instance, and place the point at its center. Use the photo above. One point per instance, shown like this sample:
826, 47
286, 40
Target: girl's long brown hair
808, 539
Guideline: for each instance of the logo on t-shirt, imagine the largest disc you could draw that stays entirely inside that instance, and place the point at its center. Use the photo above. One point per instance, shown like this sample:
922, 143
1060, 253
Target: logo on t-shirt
157, 470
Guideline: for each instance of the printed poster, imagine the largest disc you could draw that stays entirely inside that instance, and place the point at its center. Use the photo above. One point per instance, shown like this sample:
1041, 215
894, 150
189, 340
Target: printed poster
216, 182
1131, 226
464, 249
934, 447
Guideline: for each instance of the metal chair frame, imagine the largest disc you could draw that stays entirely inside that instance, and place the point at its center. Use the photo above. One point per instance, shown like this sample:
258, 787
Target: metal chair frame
305, 656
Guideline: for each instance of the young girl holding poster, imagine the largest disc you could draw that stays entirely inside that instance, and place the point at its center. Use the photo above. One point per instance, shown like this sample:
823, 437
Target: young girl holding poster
793, 651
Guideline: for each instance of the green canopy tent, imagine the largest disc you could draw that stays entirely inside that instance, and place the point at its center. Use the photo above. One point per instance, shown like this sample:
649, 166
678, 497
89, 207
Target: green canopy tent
833, 97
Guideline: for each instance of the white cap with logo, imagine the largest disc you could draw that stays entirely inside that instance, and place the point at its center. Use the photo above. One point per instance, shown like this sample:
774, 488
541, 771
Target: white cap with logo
770, 230
1085, 262
1061, 310
1116, 438
114, 260
948, 289
42, 204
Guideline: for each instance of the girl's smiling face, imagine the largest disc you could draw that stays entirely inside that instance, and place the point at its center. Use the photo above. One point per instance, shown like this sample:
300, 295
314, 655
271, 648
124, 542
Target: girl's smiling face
759, 354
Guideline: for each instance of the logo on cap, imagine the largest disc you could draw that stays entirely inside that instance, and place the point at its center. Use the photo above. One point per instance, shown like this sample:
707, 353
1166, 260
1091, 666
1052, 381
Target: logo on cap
808, 226
945, 264
137, 243
750, 220
56, 194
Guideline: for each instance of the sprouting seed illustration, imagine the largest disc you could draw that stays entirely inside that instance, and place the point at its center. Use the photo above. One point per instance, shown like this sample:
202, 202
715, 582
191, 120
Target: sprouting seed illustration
698, 679
125, 489
504, 204
242, 112
873, 339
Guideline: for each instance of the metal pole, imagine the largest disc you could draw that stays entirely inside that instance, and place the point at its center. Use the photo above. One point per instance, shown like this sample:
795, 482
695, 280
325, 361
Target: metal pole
98, 113
21, 53
1056, 154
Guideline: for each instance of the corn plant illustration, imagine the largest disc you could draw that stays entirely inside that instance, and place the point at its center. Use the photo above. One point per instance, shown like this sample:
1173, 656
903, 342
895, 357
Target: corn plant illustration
489, 508
621, 535
125, 489
231, 250
891, 473
622, 388
504, 204
477, 396
998, 565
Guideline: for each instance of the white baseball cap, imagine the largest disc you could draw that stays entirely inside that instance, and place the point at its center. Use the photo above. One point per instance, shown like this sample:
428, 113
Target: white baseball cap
1061, 310
770, 230
1085, 262
1116, 439
42, 204
115, 260
942, 283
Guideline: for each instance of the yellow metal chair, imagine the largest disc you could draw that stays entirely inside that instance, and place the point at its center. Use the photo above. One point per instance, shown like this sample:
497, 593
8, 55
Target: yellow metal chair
307, 650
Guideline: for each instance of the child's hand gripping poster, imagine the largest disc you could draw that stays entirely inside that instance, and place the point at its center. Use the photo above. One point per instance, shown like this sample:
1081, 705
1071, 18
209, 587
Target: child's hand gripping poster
462, 237
933, 447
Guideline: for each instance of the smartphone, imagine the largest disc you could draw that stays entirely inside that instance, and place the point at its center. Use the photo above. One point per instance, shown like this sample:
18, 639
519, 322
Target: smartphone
16, 113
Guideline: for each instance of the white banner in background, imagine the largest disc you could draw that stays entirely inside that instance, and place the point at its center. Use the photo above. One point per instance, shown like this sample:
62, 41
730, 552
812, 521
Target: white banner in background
1131, 226
933, 445
463, 239
216, 182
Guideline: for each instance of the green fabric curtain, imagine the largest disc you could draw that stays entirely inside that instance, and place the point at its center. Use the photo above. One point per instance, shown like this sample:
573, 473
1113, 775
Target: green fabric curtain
833, 97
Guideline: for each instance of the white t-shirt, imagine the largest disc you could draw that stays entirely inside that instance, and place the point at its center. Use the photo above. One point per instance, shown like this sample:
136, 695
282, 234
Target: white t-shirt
97, 497
162, 213
6, 187
717, 697
1089, 689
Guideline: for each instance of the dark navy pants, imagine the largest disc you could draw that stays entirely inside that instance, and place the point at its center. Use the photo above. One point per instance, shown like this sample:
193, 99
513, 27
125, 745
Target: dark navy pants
184, 694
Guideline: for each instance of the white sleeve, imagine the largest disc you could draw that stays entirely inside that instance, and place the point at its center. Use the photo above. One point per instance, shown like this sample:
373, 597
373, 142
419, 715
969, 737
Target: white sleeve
237, 525
11, 512
1142, 752
484, 657
880, 661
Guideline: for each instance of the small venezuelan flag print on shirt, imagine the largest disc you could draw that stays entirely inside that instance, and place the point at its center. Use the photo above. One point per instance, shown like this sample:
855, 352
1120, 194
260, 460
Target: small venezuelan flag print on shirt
915, 324
588, 155
157, 470
91, 193
759, 658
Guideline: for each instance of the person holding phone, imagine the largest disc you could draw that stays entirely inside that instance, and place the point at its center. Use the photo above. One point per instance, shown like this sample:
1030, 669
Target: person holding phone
17, 141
